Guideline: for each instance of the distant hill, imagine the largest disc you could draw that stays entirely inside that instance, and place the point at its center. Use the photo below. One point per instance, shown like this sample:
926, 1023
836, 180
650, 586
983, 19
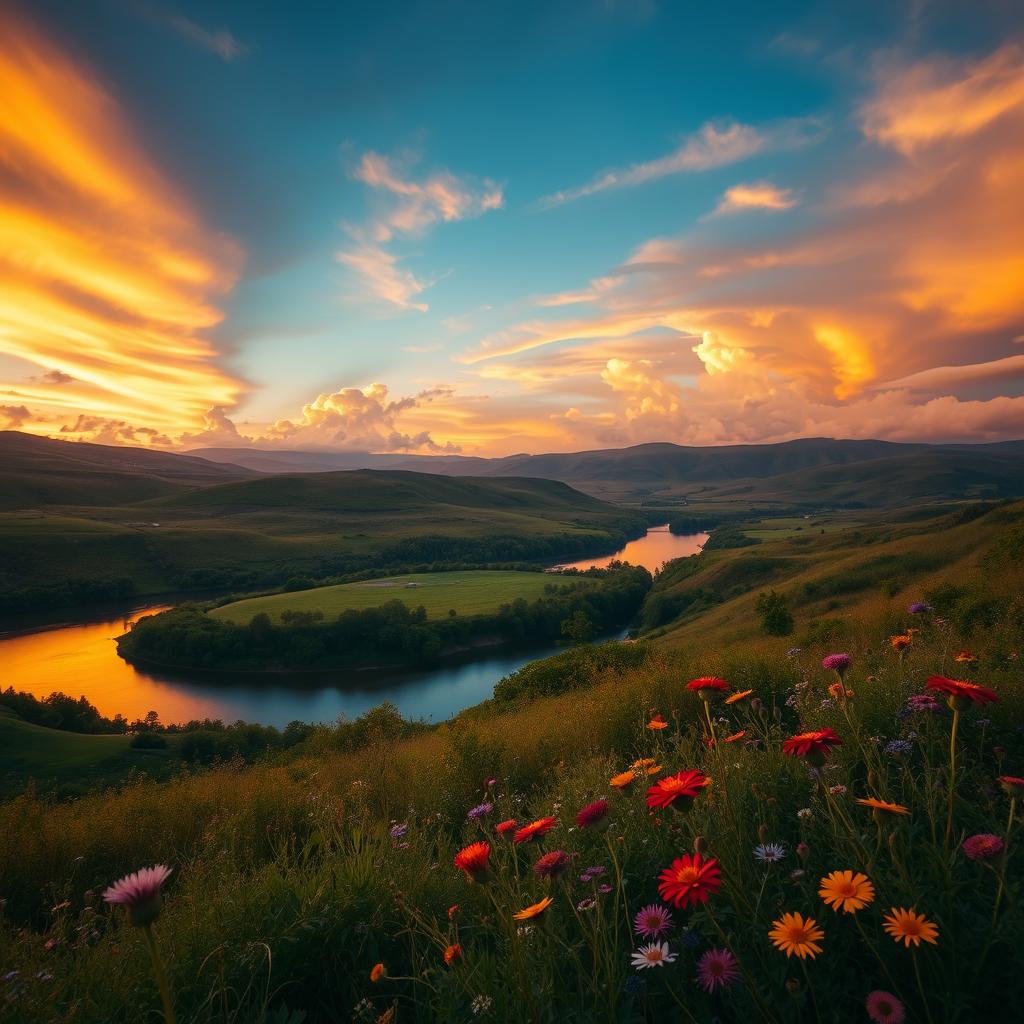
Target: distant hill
38, 472
808, 470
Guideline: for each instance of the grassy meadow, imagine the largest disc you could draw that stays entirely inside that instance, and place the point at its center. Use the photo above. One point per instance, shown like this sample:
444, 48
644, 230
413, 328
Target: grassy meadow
468, 593
296, 877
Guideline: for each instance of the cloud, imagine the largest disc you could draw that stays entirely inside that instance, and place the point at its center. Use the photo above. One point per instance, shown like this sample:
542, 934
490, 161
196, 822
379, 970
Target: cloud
14, 417
761, 195
219, 41
108, 277
715, 144
412, 207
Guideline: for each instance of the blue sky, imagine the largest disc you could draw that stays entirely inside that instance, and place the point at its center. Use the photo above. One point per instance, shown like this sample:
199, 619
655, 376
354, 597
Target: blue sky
383, 175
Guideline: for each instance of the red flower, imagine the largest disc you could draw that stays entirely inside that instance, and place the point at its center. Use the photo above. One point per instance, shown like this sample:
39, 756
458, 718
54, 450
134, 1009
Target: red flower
690, 879
814, 745
551, 865
504, 827
535, 830
682, 787
1012, 785
594, 815
708, 687
475, 861
961, 691
453, 955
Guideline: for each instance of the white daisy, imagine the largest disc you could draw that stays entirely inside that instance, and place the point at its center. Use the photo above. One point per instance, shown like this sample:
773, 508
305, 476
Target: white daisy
653, 955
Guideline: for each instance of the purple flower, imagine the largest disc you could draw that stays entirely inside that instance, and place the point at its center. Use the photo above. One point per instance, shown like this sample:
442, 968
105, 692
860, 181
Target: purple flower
604, 889
587, 903
923, 702
983, 847
899, 748
140, 893
397, 831
920, 608
589, 874
653, 921
480, 811
837, 663
769, 853
716, 968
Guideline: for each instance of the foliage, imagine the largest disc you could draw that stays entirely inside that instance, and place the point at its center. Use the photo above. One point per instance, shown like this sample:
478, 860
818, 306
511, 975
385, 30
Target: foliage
776, 618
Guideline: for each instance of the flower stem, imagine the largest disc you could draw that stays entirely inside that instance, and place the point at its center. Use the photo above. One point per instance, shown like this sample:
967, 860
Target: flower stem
920, 988
161, 974
952, 776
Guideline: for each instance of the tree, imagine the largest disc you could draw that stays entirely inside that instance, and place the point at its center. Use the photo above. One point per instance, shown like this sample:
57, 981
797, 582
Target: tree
776, 618
578, 629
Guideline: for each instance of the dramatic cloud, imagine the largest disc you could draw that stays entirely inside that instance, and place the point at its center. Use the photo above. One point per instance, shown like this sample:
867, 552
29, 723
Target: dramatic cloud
761, 195
106, 273
716, 144
411, 208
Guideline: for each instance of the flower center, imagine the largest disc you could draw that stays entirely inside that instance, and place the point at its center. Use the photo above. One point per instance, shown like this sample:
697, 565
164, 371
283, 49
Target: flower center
688, 875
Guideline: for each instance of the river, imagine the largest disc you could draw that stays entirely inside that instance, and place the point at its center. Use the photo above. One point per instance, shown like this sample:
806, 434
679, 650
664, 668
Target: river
80, 658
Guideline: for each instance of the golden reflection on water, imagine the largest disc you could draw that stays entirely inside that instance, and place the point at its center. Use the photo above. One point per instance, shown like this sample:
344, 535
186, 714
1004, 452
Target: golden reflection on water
657, 547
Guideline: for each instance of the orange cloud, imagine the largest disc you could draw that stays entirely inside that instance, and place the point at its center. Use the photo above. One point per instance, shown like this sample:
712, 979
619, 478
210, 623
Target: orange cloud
106, 273
761, 195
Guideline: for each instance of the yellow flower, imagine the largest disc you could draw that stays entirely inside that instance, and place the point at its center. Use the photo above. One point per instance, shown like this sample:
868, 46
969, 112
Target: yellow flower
796, 936
734, 698
535, 910
844, 890
910, 927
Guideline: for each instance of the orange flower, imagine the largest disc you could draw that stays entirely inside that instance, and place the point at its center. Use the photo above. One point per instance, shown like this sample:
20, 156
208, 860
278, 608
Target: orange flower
535, 910
882, 805
812, 745
735, 737
901, 641
838, 690
677, 790
623, 780
453, 955
966, 658
796, 936
734, 698
504, 827
475, 861
377, 973
961, 693
657, 722
844, 890
909, 927
690, 879
643, 764
535, 830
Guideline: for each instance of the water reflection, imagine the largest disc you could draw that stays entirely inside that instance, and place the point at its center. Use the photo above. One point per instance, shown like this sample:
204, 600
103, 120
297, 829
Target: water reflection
652, 550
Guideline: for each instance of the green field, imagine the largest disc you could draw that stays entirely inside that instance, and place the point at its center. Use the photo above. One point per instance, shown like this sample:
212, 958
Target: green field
794, 526
469, 593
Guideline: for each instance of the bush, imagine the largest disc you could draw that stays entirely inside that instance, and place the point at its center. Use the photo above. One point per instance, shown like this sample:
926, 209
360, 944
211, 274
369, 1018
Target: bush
776, 618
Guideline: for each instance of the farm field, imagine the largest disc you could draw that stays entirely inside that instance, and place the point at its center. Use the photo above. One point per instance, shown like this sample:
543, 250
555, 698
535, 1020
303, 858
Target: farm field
468, 593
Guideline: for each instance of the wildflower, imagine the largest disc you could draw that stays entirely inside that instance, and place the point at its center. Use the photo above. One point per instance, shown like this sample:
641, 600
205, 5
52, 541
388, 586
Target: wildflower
140, 893
837, 663
653, 955
534, 910
803, 851
452, 911
552, 864
690, 879
397, 831
899, 748
815, 746
490, 783
794, 651
657, 722
805, 814
901, 641
453, 955
735, 737
961, 694
622, 781
474, 860
652, 921
984, 846
594, 815
481, 1004
708, 688
796, 936
965, 657
882, 805
839, 691
604, 889
678, 791
535, 830
504, 827
885, 1008
591, 873
1012, 785
910, 927
716, 968
480, 811
643, 764
587, 903
769, 853
844, 890
923, 702
735, 698
378, 972
920, 608
796, 874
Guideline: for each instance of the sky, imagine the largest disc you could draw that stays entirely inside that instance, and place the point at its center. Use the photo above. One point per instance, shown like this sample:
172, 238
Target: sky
488, 228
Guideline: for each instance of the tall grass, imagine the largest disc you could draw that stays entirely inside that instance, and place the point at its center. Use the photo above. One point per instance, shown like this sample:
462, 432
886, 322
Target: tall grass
289, 885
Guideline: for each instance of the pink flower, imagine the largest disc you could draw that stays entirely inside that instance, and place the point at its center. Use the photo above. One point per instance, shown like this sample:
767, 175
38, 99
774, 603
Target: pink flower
984, 846
594, 815
716, 968
140, 893
654, 920
552, 864
885, 1008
